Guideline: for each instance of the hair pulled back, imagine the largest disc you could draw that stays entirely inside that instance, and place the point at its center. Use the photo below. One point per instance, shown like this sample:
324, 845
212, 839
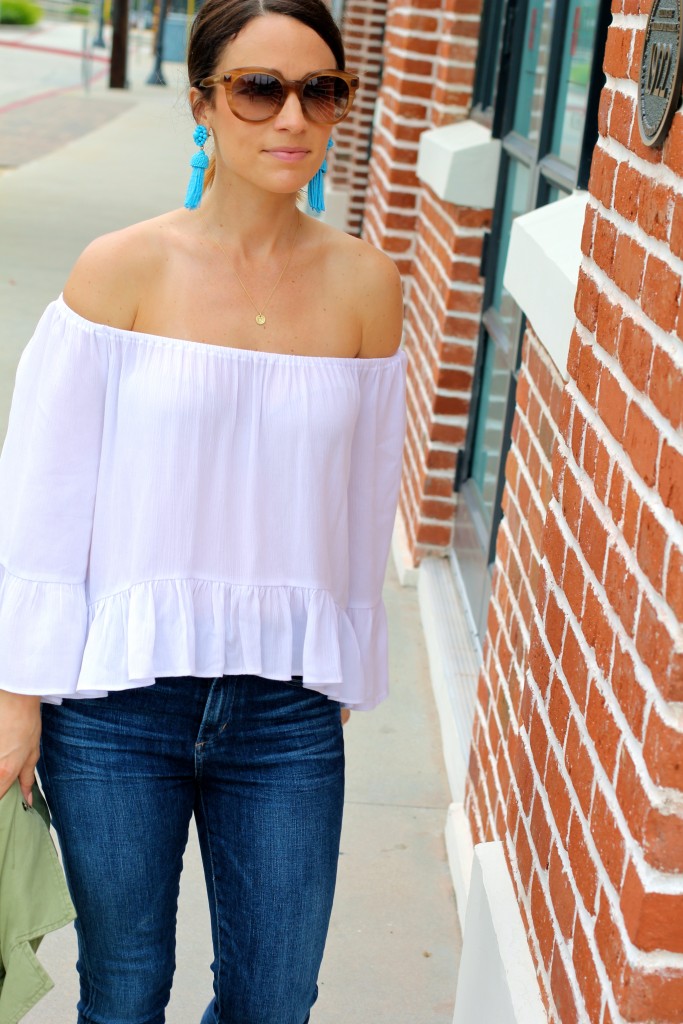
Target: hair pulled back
219, 21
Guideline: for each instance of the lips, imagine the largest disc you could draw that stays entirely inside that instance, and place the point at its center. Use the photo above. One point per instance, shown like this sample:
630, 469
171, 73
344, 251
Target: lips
288, 153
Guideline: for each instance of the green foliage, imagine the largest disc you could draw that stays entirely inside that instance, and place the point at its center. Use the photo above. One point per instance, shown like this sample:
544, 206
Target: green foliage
79, 11
19, 12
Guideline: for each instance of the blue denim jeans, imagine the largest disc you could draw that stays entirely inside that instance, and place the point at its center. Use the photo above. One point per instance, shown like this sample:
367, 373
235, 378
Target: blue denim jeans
261, 766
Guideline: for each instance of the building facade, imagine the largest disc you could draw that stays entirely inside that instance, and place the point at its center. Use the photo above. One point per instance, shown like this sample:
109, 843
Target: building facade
497, 155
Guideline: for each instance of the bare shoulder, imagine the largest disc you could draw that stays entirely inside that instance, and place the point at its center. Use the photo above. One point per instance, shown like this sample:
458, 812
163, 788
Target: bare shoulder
109, 277
376, 290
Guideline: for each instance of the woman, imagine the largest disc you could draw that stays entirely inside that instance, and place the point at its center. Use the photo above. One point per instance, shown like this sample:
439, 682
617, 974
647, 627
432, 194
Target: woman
198, 487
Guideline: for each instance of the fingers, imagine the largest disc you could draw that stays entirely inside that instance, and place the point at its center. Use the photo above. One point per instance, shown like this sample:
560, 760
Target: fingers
27, 777
345, 715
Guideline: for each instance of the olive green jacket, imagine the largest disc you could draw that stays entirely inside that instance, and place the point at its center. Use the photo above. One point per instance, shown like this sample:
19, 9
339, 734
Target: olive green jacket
33, 901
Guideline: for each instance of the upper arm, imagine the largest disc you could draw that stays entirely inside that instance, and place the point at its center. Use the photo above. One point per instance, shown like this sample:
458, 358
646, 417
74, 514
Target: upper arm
380, 297
105, 284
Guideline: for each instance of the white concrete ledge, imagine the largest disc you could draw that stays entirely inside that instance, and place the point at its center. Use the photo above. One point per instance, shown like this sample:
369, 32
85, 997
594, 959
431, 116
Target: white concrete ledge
497, 981
408, 574
542, 271
460, 163
460, 855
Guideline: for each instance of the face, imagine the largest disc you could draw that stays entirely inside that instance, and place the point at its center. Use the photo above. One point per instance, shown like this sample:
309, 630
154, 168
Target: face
280, 155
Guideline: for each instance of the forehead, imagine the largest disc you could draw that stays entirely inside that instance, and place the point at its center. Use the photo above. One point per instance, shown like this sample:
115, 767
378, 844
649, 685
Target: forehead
279, 42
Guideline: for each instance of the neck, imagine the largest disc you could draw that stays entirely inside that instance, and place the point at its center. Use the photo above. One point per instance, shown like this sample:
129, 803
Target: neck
248, 222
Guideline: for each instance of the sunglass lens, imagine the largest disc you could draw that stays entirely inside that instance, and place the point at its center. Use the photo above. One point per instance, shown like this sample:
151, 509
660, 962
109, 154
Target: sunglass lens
256, 96
326, 98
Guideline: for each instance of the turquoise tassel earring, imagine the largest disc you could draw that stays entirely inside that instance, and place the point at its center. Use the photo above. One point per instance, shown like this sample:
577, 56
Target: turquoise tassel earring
316, 188
198, 163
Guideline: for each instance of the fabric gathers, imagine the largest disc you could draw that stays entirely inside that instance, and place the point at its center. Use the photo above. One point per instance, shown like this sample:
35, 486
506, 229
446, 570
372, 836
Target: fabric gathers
172, 508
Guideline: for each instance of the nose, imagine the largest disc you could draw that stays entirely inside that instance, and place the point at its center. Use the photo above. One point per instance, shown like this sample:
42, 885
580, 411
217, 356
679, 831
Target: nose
291, 117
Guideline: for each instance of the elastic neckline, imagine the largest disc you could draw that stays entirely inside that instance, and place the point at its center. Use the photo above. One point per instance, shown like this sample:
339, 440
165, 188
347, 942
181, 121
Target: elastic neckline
224, 351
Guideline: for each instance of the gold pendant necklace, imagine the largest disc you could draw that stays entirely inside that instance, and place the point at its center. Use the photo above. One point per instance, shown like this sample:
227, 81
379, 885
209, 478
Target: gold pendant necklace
261, 313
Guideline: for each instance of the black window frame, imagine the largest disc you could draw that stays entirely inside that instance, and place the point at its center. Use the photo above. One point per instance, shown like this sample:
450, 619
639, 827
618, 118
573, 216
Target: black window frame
546, 170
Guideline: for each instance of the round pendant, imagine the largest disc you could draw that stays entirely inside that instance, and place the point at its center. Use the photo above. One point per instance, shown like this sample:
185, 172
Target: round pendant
260, 319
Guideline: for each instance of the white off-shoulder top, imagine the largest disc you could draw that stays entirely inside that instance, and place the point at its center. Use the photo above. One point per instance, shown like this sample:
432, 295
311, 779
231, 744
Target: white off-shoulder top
173, 508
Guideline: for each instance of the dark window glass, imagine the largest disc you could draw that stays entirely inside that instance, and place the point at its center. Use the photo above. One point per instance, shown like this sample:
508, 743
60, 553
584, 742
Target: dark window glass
488, 59
575, 75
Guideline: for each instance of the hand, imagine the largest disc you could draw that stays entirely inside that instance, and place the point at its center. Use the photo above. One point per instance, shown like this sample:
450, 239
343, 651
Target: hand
345, 715
19, 741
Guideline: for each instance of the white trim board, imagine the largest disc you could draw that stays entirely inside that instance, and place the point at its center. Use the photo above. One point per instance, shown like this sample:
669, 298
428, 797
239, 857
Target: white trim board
460, 162
542, 271
496, 981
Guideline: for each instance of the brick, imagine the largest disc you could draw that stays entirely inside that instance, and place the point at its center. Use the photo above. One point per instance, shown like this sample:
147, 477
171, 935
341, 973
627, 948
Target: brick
553, 546
641, 441
629, 266
635, 352
554, 625
588, 377
607, 325
652, 541
627, 690
558, 795
538, 742
672, 152
663, 752
656, 648
604, 244
655, 209
621, 118
539, 663
597, 631
617, 51
661, 293
586, 974
621, 588
653, 920
631, 518
586, 301
666, 387
571, 502
612, 404
574, 583
593, 539
540, 832
661, 836
603, 730
575, 668
676, 236
615, 497
561, 989
579, 766
542, 922
587, 232
608, 839
670, 479
674, 583
558, 709
626, 192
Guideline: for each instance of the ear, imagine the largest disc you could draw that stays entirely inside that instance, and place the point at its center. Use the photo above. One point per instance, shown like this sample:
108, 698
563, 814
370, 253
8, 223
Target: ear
198, 105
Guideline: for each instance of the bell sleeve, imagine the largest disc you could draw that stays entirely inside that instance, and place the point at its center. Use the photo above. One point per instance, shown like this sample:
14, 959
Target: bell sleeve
374, 482
48, 478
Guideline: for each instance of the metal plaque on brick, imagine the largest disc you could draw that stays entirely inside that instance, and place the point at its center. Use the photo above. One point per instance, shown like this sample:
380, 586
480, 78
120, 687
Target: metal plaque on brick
661, 71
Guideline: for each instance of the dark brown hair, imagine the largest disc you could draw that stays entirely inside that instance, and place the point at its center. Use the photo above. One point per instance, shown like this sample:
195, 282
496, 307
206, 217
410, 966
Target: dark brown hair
219, 21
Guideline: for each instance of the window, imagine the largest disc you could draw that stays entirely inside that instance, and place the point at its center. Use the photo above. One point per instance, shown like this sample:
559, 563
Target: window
548, 79
488, 59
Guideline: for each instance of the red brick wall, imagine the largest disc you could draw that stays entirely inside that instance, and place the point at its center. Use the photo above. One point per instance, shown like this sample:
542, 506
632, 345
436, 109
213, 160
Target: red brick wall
442, 326
411, 43
577, 756
430, 55
363, 32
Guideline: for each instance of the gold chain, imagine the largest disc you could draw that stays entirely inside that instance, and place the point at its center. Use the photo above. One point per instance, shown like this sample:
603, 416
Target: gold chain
261, 313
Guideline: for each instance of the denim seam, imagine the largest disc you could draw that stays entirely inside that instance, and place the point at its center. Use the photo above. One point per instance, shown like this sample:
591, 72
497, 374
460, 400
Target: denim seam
218, 951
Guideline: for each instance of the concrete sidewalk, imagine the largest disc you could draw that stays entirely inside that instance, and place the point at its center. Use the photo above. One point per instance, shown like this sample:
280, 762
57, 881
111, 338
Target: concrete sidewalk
394, 944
